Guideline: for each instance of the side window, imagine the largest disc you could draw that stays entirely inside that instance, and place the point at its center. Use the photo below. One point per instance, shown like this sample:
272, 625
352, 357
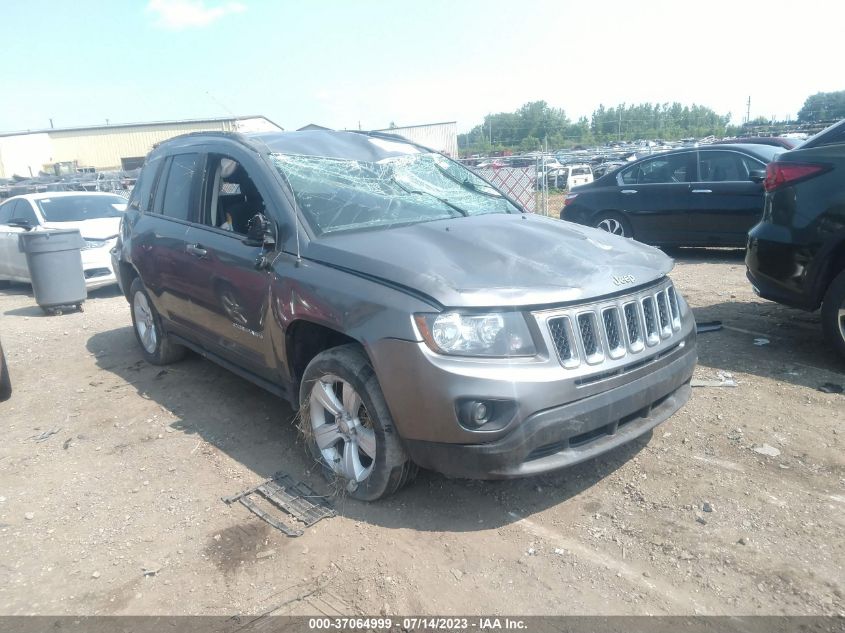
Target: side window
178, 186
141, 193
748, 165
722, 167
23, 211
6, 210
660, 170
231, 197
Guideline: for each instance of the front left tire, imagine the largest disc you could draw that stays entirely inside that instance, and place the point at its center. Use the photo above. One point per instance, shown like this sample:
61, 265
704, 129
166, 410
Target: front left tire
348, 428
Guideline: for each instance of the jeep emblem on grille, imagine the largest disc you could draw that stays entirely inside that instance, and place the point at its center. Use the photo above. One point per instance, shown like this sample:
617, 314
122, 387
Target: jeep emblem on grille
623, 280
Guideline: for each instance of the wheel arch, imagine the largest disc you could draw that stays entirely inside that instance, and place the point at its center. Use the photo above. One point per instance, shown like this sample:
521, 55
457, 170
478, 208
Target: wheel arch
305, 339
833, 264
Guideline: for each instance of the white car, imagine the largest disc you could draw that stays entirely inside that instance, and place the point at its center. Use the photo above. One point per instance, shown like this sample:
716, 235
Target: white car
96, 215
579, 175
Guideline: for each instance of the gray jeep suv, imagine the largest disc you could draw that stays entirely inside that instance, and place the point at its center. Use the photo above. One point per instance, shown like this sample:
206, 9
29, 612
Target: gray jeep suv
414, 314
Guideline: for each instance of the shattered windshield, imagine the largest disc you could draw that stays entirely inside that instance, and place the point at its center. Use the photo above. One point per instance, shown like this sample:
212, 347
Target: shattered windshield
338, 195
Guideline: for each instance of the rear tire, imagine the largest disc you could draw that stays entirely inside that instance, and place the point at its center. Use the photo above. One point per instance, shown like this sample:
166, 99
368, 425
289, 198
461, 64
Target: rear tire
833, 314
345, 419
156, 346
613, 223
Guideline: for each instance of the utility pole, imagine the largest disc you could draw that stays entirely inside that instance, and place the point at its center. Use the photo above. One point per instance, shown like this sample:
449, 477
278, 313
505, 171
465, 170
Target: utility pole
619, 128
748, 110
51, 124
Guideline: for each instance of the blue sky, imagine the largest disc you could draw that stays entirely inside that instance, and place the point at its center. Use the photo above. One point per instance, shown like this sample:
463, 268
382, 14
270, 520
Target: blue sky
373, 62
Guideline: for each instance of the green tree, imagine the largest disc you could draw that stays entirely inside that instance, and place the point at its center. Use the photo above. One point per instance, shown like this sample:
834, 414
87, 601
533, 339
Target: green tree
823, 106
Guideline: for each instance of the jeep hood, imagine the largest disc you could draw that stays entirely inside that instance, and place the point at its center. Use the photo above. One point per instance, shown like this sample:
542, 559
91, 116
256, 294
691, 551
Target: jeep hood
495, 260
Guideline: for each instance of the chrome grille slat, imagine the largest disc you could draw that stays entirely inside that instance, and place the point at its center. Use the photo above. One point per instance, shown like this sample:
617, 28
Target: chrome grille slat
674, 308
650, 319
613, 332
591, 338
634, 329
613, 329
663, 315
564, 341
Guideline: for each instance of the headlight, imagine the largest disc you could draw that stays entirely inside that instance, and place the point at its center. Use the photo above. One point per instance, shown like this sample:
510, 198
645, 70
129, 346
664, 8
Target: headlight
496, 334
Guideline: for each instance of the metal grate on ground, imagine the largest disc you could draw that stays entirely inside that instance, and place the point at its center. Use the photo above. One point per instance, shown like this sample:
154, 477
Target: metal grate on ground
291, 496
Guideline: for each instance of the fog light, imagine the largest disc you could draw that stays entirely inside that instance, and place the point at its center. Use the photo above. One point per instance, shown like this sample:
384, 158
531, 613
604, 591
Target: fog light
480, 413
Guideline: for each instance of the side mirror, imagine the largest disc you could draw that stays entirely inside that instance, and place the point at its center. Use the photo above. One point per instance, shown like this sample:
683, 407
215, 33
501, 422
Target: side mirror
757, 175
21, 223
260, 232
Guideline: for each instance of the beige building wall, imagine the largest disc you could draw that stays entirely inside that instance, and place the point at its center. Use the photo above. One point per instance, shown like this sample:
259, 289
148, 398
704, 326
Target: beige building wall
103, 147
441, 137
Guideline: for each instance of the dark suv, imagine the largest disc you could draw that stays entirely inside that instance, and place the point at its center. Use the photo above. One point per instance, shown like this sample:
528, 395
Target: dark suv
796, 254
410, 311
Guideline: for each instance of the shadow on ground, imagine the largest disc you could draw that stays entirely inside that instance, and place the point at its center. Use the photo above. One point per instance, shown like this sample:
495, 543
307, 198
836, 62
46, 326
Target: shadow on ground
706, 255
257, 429
22, 290
793, 347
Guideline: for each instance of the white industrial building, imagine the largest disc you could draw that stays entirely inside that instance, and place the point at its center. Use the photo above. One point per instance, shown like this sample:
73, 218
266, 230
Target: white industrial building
441, 137
104, 147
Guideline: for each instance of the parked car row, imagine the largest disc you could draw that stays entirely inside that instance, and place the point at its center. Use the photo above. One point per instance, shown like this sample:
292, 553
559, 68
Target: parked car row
787, 207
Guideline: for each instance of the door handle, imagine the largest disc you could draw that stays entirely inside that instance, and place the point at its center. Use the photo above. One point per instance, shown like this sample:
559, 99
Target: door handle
702, 191
629, 191
196, 249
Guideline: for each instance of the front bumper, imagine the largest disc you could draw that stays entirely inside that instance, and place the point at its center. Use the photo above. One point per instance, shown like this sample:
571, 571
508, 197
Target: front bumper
547, 411
97, 266
568, 434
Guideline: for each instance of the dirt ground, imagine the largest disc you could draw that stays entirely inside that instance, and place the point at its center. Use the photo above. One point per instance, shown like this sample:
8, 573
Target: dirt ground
110, 467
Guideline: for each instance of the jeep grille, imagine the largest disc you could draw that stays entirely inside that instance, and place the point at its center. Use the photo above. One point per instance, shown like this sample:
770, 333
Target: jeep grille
613, 329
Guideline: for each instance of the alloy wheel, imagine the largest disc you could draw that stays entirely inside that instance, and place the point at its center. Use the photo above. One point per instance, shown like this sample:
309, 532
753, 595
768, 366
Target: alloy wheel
342, 428
840, 321
611, 225
144, 323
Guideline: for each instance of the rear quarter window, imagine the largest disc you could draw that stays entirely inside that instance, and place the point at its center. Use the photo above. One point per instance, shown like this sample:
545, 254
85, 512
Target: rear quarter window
179, 186
142, 192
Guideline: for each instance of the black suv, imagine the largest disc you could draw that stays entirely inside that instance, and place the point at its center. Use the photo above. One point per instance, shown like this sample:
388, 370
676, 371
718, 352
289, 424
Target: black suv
796, 254
411, 312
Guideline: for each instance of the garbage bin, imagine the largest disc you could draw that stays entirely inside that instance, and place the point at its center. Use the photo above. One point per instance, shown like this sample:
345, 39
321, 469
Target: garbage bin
55, 268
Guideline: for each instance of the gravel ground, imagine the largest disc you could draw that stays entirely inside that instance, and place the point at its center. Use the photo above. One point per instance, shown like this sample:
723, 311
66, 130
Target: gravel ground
111, 475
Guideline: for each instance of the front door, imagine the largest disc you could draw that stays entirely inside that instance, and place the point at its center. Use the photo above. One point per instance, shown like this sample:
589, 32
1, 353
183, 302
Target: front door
229, 293
726, 203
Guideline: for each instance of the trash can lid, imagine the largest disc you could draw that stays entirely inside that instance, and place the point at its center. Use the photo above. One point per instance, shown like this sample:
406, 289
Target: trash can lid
50, 240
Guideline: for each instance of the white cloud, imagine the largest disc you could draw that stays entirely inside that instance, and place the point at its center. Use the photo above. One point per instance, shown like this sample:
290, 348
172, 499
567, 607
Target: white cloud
185, 14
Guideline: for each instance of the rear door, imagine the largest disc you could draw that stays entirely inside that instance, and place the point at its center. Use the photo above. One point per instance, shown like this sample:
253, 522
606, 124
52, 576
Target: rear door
655, 196
726, 203
158, 243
